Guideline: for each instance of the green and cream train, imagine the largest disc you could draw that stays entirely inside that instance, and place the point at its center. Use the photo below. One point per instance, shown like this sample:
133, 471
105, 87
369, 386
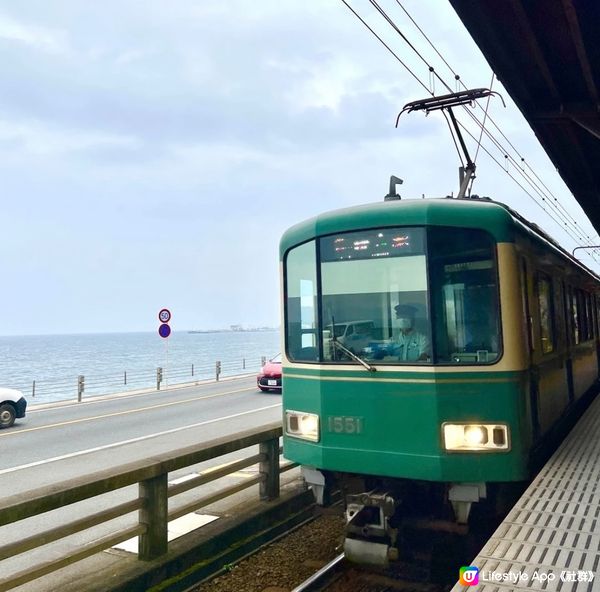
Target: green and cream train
503, 326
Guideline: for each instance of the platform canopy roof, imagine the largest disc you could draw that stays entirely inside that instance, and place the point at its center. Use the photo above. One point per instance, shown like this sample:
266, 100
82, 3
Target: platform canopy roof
547, 55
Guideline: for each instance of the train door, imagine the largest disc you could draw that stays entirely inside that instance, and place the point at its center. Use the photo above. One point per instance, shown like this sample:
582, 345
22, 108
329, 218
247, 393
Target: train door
533, 370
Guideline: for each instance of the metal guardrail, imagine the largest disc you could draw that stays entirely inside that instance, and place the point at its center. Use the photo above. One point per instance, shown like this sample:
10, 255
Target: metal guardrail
56, 389
151, 503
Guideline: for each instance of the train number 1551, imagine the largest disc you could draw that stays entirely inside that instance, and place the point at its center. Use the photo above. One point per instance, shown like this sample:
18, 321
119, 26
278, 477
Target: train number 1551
340, 424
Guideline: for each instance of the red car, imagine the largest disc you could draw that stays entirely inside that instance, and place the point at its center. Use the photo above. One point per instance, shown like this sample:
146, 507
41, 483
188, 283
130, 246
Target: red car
269, 378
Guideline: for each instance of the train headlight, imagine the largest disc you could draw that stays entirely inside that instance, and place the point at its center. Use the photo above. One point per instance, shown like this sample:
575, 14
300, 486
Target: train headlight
475, 435
302, 425
469, 437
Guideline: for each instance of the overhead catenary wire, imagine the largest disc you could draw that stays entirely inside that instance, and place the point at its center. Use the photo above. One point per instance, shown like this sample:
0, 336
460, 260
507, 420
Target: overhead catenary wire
487, 105
559, 209
459, 81
548, 192
569, 224
386, 46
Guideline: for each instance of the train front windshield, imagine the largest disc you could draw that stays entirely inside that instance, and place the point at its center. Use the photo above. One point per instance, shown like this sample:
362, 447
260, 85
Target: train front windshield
405, 295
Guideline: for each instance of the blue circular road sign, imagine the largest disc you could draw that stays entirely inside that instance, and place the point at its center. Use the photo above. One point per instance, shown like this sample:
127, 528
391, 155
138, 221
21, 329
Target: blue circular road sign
164, 330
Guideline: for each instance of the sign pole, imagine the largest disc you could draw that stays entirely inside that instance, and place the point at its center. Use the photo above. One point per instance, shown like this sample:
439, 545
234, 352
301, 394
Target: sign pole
164, 316
167, 363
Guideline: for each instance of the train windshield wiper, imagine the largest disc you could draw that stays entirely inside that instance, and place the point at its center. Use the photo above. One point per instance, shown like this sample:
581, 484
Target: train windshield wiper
350, 353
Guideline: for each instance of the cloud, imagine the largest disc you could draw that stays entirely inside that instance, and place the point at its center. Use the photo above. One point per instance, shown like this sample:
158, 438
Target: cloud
246, 82
40, 38
159, 150
35, 139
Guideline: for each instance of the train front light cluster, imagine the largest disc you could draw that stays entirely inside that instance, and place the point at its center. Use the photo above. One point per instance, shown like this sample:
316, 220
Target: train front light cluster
302, 425
469, 437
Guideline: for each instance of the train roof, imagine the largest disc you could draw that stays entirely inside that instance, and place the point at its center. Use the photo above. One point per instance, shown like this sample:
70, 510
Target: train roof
503, 223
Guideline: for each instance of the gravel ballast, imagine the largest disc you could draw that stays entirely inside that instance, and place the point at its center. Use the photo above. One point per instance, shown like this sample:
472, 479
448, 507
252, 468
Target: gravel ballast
282, 565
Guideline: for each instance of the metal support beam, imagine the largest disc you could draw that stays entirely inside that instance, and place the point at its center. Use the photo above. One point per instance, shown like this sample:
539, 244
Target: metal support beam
582, 55
534, 47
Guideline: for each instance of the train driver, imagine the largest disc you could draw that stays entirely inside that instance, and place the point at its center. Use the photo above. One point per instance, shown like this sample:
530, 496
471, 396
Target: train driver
411, 345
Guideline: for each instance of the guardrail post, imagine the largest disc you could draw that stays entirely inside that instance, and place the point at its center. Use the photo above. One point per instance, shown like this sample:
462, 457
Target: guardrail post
243, 363
218, 370
269, 469
80, 387
154, 515
192, 369
33, 389
158, 378
125, 377
263, 360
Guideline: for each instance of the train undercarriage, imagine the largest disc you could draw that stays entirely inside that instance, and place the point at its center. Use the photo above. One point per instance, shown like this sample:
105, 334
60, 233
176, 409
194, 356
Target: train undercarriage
385, 516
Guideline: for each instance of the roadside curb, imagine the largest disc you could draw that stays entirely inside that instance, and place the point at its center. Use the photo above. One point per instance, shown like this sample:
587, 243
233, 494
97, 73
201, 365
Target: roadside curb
33, 406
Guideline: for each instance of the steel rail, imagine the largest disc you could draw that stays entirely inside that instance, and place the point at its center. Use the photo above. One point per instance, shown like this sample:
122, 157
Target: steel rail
318, 579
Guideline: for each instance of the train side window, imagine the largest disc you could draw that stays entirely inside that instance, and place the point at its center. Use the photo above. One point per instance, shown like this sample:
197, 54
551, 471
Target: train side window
566, 324
590, 315
546, 313
301, 303
464, 294
575, 319
559, 321
582, 315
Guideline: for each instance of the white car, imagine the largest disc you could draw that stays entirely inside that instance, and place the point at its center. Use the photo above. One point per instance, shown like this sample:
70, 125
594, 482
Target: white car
12, 406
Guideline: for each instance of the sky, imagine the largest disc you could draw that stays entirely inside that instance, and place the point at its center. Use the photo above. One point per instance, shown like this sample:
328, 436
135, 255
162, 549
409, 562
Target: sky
152, 153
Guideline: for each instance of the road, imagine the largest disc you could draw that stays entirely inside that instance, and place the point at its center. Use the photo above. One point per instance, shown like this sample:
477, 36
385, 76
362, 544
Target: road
62, 441
67, 440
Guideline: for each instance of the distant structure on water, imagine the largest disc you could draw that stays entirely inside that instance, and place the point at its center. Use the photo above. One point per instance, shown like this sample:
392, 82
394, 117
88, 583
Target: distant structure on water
235, 329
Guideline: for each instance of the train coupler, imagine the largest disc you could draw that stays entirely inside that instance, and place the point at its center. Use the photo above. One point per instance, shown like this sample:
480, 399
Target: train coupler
369, 536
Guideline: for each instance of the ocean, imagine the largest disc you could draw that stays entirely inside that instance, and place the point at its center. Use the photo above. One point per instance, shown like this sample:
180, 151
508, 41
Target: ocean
46, 367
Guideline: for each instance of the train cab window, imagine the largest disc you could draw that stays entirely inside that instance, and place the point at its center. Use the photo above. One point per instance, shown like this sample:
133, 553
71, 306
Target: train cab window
301, 303
374, 296
464, 291
546, 313
394, 295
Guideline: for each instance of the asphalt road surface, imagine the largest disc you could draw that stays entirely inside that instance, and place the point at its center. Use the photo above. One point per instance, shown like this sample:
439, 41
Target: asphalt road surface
57, 442
61, 441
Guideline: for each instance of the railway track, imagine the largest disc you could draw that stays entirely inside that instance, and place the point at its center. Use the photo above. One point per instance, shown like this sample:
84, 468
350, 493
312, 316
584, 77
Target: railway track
341, 576
430, 561
309, 560
327, 575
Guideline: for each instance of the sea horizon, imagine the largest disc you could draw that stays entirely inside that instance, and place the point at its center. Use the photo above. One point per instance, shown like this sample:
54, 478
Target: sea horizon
127, 360
155, 331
